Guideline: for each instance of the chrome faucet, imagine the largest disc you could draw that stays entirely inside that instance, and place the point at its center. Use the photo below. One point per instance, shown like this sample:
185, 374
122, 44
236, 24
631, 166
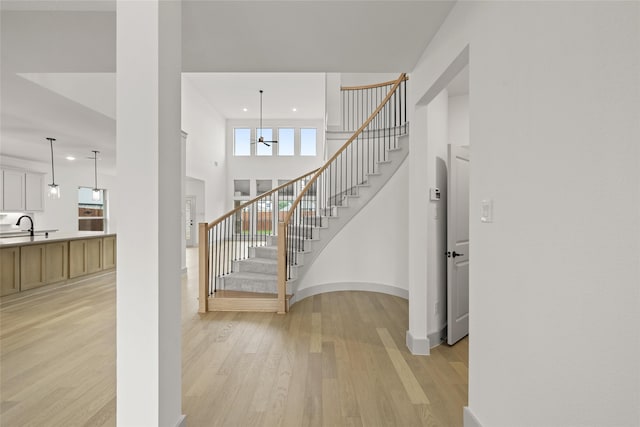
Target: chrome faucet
30, 220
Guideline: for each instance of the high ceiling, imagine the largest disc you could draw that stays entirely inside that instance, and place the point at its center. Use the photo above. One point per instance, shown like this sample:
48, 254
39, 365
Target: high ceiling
58, 59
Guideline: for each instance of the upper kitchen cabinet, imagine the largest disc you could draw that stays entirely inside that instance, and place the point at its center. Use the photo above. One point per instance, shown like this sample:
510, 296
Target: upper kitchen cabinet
21, 191
13, 190
34, 192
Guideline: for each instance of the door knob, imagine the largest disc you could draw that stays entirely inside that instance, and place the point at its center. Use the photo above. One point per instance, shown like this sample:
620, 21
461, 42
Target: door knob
454, 254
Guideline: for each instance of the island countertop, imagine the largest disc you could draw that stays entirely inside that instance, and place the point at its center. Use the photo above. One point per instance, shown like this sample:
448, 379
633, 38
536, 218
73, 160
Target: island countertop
53, 237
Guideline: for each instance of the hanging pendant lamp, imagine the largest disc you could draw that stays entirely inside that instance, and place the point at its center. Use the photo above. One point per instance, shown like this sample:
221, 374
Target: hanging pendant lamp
54, 189
95, 195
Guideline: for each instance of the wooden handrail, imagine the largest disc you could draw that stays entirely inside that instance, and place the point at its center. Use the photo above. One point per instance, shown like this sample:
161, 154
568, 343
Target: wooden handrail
255, 199
400, 79
372, 86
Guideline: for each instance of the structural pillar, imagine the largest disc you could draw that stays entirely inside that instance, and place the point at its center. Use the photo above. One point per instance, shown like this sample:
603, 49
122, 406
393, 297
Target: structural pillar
417, 336
149, 189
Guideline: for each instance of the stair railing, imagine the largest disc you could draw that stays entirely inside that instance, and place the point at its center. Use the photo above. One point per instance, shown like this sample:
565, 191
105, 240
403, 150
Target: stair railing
359, 102
230, 237
347, 169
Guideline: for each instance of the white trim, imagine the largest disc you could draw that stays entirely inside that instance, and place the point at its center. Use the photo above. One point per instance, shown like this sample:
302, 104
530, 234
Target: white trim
418, 346
469, 419
348, 286
437, 337
182, 422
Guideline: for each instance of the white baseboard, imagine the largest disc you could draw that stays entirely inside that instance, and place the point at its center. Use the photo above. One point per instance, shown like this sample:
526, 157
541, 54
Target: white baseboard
468, 419
348, 286
417, 346
182, 422
437, 338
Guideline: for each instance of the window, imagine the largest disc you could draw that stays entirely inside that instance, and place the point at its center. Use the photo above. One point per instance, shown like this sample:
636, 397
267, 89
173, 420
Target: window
286, 142
241, 142
262, 186
263, 149
241, 188
307, 142
90, 212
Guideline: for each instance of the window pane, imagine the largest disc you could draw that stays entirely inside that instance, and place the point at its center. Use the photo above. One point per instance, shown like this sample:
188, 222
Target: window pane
285, 142
262, 186
307, 142
262, 149
91, 213
241, 188
242, 142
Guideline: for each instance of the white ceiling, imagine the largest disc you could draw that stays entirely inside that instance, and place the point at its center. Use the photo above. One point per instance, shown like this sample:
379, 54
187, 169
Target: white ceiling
250, 45
230, 93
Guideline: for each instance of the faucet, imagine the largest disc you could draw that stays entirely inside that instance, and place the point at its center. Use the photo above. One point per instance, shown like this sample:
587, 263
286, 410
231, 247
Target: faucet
30, 220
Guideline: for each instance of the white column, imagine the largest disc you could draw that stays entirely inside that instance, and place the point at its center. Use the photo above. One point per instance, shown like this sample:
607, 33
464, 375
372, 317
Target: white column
417, 338
183, 192
149, 185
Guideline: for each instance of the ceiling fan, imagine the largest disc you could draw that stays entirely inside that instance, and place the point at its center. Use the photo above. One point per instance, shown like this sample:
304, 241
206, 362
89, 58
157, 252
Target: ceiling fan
261, 138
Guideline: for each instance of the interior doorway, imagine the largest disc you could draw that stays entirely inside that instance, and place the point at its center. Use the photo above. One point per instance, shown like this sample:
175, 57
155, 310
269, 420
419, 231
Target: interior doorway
190, 217
457, 218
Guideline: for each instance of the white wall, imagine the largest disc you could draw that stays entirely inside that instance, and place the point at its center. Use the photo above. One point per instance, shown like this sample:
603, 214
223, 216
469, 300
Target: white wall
554, 296
371, 249
206, 149
62, 214
272, 167
459, 120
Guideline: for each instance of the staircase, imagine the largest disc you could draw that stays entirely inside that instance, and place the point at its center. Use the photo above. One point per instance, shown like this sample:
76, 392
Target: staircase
258, 269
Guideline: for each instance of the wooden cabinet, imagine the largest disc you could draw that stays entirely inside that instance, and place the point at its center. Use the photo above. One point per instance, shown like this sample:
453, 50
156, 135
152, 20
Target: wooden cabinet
13, 190
21, 191
9, 271
77, 258
109, 251
87, 256
94, 255
32, 267
56, 261
42, 264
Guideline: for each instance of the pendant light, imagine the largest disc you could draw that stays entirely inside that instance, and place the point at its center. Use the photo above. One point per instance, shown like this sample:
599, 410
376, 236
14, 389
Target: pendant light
95, 195
54, 189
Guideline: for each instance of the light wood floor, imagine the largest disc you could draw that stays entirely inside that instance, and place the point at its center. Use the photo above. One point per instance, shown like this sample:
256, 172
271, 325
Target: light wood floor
336, 359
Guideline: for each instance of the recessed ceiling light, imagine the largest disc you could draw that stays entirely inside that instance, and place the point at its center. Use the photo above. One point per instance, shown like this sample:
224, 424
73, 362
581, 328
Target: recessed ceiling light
245, 109
70, 158
294, 109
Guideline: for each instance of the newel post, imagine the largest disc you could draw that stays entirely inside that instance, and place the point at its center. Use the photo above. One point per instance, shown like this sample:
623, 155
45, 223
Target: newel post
282, 268
203, 264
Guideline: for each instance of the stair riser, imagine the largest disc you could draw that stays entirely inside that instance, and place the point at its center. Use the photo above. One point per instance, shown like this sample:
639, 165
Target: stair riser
247, 285
263, 252
254, 267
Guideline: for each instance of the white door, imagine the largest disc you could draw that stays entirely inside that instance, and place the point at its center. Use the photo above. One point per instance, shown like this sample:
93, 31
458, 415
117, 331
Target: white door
189, 215
458, 244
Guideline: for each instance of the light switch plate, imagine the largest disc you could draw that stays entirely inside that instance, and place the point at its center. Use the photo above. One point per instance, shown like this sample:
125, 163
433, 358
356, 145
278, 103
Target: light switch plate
486, 210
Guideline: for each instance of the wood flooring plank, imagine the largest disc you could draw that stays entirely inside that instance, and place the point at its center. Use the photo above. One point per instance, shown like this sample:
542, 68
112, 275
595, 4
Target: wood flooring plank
411, 385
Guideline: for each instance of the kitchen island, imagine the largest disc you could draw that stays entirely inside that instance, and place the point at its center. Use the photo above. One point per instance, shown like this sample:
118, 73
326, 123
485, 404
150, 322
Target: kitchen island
30, 262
